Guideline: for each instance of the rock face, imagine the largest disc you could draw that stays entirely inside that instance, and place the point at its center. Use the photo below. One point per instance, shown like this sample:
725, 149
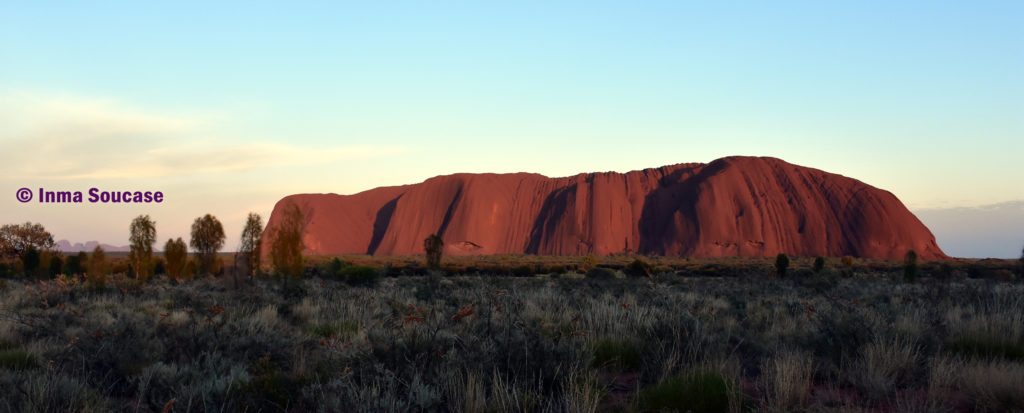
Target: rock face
735, 206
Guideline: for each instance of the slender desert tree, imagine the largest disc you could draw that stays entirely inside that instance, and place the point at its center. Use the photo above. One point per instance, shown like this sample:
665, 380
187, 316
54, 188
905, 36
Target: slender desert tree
142, 238
97, 273
176, 255
249, 248
207, 239
287, 246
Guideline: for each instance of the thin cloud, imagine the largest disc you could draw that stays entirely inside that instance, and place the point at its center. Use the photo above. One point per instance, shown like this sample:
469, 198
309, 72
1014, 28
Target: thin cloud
69, 138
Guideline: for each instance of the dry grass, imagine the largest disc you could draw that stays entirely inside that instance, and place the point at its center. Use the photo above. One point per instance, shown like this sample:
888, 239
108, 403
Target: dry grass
471, 343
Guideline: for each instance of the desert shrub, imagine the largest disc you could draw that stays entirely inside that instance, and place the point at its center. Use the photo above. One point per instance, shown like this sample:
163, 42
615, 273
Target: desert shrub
552, 269
819, 265
56, 265
15, 359
360, 275
781, 264
334, 266
587, 263
120, 266
638, 268
270, 389
601, 273
190, 270
159, 268
434, 247
701, 392
994, 386
97, 274
617, 355
30, 261
522, 271
910, 266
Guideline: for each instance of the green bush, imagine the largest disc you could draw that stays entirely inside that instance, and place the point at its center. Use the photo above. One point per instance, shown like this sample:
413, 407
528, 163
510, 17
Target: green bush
360, 275
819, 265
618, 355
601, 273
781, 264
696, 393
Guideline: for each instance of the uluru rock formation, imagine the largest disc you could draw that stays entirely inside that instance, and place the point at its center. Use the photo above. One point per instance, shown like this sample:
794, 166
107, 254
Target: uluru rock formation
735, 206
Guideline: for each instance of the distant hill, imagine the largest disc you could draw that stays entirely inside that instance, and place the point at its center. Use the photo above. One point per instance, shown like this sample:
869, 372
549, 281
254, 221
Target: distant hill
66, 246
734, 206
987, 231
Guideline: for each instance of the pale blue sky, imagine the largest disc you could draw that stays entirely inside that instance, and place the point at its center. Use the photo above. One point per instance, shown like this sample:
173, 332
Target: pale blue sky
925, 99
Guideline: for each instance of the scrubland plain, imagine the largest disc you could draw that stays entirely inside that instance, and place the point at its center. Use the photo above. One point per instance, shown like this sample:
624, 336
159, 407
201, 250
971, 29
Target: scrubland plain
510, 334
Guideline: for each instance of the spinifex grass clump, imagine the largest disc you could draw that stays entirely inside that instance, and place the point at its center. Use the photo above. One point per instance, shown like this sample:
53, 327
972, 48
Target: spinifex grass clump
700, 392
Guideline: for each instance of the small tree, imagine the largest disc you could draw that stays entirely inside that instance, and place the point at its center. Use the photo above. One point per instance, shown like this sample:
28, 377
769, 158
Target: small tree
287, 246
97, 274
819, 265
142, 237
207, 239
910, 266
176, 255
15, 240
434, 246
781, 264
249, 248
